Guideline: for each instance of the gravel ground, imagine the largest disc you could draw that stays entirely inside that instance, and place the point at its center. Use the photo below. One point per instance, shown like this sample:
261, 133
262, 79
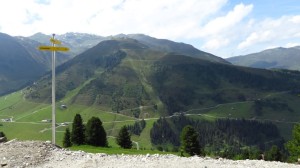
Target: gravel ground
45, 155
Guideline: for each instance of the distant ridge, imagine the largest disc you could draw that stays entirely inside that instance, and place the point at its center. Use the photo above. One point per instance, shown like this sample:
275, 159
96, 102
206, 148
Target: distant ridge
17, 66
278, 58
79, 42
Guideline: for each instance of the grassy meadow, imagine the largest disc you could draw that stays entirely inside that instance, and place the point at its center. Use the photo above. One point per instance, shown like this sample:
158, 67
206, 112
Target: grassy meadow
27, 119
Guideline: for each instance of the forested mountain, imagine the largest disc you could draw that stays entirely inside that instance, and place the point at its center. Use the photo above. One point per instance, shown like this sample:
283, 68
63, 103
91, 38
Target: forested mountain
143, 77
124, 73
78, 43
277, 58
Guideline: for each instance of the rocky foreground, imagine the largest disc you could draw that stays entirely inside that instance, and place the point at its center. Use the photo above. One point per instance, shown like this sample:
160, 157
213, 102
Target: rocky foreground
45, 155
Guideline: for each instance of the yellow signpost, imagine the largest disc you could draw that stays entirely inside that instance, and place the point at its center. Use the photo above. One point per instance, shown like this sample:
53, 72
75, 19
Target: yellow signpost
54, 41
53, 48
50, 48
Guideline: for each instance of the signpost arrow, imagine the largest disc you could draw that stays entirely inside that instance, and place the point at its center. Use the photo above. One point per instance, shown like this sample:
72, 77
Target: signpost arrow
54, 41
50, 48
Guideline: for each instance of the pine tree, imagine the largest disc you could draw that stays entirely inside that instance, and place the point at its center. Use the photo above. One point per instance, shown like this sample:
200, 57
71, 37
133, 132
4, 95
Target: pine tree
274, 154
143, 124
67, 139
190, 141
2, 134
2, 137
95, 133
293, 146
77, 134
123, 138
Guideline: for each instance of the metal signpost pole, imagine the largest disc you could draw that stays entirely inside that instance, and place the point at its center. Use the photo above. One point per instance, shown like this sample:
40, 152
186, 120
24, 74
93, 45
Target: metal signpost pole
53, 48
53, 92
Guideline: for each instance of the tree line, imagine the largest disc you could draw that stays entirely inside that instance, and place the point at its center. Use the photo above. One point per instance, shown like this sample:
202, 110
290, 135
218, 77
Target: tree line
137, 127
229, 138
93, 133
207, 81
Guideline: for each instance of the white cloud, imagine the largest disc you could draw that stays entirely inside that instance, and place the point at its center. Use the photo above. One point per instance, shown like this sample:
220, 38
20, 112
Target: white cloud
222, 24
214, 26
220, 31
163, 19
270, 47
171, 19
289, 45
215, 44
45, 2
272, 31
295, 19
255, 37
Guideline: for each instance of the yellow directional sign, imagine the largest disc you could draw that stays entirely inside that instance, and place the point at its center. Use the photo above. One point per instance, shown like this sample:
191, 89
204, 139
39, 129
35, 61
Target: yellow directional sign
55, 41
50, 48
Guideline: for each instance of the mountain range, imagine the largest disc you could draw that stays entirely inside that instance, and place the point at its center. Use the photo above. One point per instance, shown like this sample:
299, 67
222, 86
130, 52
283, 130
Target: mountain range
23, 63
124, 73
277, 58
125, 78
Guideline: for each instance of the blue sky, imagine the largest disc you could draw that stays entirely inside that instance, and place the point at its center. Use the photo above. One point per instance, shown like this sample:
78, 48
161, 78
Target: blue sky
270, 8
222, 27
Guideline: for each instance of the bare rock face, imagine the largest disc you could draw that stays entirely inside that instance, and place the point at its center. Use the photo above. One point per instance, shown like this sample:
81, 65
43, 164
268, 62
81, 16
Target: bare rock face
23, 154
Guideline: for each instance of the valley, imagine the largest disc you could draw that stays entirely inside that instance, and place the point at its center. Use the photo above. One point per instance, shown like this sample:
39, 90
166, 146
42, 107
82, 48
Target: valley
30, 120
130, 78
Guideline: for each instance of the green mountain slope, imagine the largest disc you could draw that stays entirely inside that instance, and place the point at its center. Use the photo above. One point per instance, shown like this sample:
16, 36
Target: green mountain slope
17, 67
280, 58
123, 80
165, 45
124, 74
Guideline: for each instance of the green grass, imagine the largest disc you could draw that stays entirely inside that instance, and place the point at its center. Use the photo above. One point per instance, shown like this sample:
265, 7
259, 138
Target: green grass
236, 110
116, 150
30, 131
28, 116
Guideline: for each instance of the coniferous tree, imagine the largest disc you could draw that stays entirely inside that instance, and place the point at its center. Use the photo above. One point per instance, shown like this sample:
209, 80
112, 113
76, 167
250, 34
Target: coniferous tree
67, 139
2, 134
190, 141
95, 133
293, 146
77, 134
143, 124
2, 137
274, 154
123, 138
